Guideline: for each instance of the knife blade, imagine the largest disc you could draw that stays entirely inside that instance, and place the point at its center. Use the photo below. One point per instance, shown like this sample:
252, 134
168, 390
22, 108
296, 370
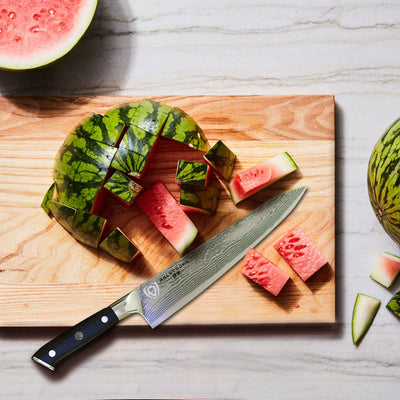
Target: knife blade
171, 289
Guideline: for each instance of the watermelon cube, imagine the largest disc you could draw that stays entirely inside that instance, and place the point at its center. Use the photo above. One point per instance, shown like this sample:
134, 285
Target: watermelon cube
300, 253
262, 271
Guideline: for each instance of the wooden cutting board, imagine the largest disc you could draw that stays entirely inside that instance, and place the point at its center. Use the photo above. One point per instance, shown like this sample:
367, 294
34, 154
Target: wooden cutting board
49, 279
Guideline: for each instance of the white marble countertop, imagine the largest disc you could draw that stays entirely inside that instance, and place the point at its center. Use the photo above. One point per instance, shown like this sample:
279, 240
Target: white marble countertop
346, 48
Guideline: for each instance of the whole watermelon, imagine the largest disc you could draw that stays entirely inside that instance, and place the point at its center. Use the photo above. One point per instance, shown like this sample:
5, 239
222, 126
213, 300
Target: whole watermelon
384, 180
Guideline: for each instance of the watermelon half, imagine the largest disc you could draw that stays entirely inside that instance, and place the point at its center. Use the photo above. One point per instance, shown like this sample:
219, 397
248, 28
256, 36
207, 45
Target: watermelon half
300, 253
35, 33
99, 157
248, 182
264, 272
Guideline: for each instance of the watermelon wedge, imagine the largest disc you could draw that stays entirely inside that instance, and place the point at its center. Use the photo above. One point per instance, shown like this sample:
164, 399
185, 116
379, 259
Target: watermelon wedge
386, 269
264, 272
35, 33
300, 253
364, 312
167, 216
248, 182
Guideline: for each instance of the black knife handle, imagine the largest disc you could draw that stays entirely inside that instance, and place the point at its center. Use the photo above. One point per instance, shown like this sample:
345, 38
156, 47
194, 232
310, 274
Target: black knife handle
75, 338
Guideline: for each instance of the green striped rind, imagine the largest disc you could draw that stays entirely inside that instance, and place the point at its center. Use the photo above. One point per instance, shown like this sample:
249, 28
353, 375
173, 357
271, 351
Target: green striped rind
193, 173
97, 127
200, 199
383, 180
47, 198
63, 214
151, 116
129, 162
84, 227
394, 304
120, 116
123, 187
183, 128
222, 159
87, 228
119, 246
79, 171
138, 140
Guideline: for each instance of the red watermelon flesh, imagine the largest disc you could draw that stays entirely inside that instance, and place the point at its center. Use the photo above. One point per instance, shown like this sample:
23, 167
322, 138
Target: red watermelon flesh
167, 216
300, 253
36, 32
248, 182
262, 271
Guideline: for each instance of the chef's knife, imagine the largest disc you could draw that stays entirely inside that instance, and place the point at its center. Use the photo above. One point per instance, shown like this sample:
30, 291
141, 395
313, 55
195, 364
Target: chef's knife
174, 287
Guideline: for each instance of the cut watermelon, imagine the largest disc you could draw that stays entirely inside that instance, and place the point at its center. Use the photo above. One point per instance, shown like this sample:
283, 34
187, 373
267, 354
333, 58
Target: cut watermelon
394, 304
199, 199
222, 159
119, 246
264, 272
248, 182
122, 188
47, 198
192, 173
364, 312
386, 269
167, 216
37, 32
300, 253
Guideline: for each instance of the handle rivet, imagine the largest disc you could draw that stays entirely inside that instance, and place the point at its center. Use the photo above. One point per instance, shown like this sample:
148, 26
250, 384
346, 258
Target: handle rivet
78, 335
52, 353
104, 319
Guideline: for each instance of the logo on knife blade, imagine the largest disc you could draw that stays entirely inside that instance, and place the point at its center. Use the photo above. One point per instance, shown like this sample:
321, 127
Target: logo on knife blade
152, 290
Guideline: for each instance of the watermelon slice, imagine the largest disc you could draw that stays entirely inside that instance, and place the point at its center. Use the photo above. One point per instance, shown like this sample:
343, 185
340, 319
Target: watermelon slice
386, 269
364, 312
262, 271
164, 211
300, 253
37, 32
192, 173
199, 199
222, 159
248, 182
120, 246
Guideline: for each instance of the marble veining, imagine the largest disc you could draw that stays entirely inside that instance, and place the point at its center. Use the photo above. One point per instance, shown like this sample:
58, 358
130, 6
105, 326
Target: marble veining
345, 48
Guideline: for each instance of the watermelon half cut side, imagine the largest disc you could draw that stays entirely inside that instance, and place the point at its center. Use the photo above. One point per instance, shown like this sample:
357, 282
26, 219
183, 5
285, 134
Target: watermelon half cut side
35, 33
167, 216
300, 253
264, 272
248, 182
386, 269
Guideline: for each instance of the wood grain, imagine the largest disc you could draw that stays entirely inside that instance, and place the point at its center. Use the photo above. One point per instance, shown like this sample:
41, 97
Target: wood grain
47, 278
